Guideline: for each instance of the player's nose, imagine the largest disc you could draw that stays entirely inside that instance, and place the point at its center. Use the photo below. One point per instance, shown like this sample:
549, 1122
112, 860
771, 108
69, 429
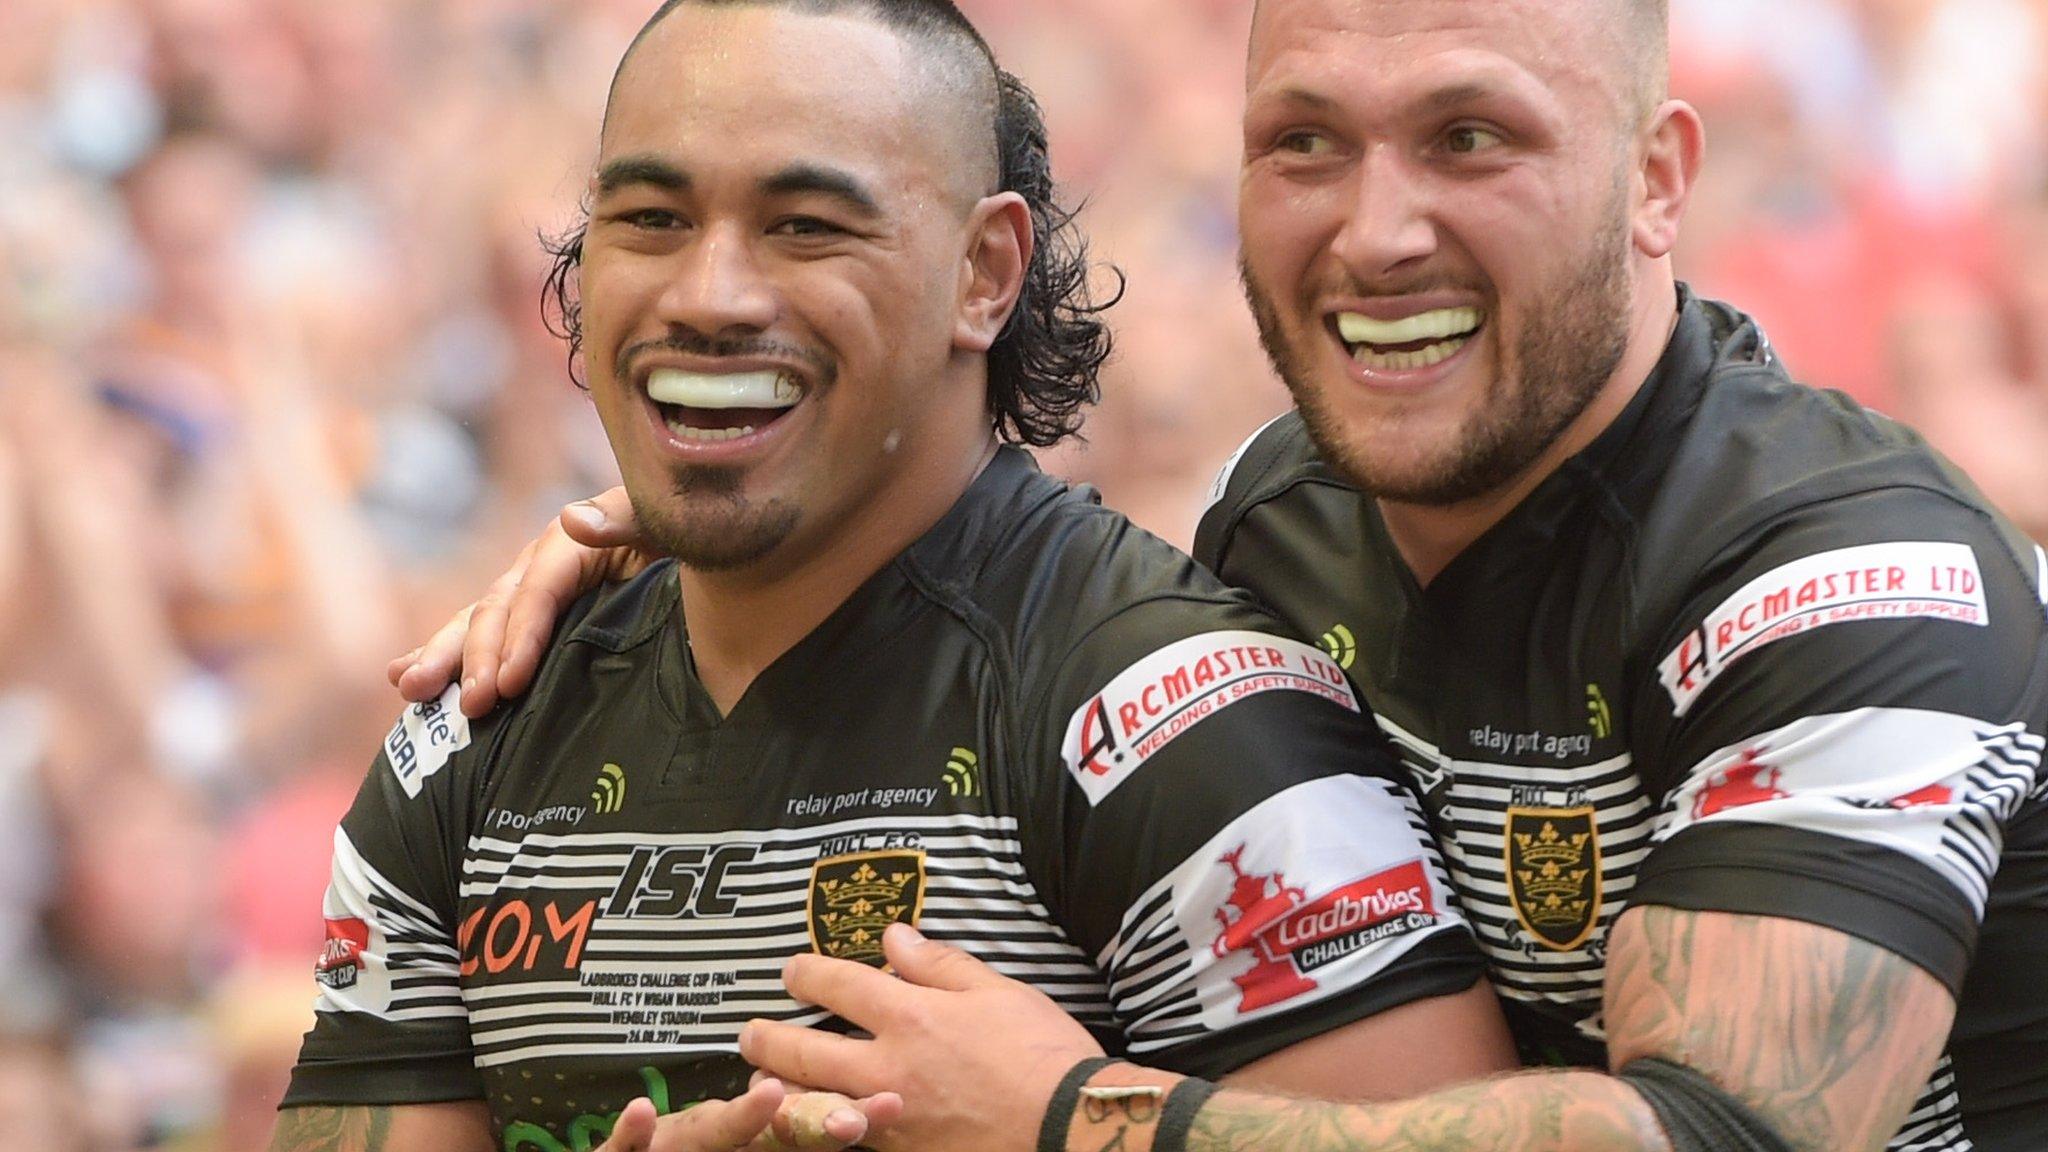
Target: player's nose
1388, 224
719, 286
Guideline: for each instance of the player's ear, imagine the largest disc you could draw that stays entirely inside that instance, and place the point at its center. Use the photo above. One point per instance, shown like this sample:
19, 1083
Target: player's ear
999, 248
1670, 150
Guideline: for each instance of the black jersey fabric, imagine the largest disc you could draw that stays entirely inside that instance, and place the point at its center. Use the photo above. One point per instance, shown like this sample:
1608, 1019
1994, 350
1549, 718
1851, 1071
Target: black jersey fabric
1038, 733
1755, 650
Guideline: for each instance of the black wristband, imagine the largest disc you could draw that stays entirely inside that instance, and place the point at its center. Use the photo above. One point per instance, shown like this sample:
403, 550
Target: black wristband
1697, 1114
1059, 1111
1178, 1116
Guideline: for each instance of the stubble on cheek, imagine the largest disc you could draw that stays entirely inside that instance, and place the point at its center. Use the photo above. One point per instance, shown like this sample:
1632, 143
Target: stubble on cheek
1538, 374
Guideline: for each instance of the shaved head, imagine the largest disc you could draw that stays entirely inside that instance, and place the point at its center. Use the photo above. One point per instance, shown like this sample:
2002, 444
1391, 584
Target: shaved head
958, 80
1645, 26
1637, 35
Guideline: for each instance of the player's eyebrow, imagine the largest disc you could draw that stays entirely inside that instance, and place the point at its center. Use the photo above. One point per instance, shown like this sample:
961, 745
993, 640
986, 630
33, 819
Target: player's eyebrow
625, 171
1434, 102
794, 179
1454, 96
821, 179
1315, 101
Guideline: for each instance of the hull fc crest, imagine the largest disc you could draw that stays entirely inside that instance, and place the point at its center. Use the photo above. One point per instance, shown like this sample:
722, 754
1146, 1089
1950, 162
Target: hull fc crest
1553, 869
854, 897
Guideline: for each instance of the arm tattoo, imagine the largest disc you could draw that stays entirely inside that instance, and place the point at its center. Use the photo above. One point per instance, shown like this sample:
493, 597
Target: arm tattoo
1531, 1112
316, 1129
1830, 1038
1122, 1112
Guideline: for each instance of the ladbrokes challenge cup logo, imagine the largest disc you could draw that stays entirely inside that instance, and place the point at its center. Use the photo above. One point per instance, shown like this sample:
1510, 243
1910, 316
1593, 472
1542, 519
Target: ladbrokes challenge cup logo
1553, 866
1256, 902
854, 898
1288, 934
341, 961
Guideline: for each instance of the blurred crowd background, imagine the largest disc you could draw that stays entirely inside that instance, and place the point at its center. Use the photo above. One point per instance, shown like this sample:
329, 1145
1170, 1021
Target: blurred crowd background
276, 398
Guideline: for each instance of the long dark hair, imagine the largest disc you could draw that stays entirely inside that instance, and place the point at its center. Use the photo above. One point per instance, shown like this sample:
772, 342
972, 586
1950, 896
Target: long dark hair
1045, 368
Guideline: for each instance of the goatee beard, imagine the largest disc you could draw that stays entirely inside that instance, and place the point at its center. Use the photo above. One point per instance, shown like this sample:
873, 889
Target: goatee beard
708, 523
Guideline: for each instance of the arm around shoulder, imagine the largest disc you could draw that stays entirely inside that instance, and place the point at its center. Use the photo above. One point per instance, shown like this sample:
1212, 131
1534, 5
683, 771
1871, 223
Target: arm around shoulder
1823, 1037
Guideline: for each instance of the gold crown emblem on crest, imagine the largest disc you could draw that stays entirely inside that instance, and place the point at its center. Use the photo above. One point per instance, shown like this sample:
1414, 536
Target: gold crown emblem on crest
1554, 909
859, 906
1552, 874
865, 884
1547, 847
1553, 885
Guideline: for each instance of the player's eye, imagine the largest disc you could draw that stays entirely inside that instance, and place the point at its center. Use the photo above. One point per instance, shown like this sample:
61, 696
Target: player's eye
807, 226
1305, 142
1466, 139
650, 219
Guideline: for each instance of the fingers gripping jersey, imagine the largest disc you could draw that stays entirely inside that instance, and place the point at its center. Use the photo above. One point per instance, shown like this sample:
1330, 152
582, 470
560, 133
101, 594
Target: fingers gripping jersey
1039, 734
1755, 650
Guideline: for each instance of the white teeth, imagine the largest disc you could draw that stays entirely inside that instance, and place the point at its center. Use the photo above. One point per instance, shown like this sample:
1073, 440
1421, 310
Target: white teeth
1406, 361
722, 390
1357, 329
708, 435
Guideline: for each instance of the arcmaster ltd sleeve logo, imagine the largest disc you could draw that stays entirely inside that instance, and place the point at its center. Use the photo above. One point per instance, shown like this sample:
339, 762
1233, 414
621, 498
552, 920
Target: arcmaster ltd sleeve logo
1896, 581
1288, 935
1154, 701
426, 735
853, 898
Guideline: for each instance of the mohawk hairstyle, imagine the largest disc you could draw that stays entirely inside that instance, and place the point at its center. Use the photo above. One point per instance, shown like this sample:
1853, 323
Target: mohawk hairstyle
1044, 369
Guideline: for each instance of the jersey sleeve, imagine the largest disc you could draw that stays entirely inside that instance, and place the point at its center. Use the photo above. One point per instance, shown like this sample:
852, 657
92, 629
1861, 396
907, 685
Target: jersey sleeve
1278, 443
389, 1025
1850, 713
1236, 849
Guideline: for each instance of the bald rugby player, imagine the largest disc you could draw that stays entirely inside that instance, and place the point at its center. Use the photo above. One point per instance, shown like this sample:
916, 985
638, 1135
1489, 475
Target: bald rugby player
889, 674
1725, 697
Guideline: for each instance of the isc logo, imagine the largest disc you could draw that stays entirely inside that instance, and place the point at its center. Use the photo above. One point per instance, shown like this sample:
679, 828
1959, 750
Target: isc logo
675, 882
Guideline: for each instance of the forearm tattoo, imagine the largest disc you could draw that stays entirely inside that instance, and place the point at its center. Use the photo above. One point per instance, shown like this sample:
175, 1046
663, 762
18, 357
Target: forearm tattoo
1125, 1115
1828, 1037
332, 1130
1532, 1112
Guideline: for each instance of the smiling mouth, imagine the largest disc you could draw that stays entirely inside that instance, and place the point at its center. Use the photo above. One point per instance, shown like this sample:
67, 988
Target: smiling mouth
713, 406
1423, 340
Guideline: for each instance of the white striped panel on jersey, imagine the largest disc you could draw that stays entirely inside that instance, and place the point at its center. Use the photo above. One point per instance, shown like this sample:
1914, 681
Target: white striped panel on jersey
1844, 774
1166, 985
419, 958
1478, 798
977, 896
1936, 1121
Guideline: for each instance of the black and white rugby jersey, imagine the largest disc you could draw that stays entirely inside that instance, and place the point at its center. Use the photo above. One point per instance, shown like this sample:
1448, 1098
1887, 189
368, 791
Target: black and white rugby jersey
1039, 733
1754, 650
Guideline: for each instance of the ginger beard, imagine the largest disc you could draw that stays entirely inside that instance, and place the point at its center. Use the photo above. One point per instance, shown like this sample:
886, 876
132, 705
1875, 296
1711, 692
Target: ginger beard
705, 518
1568, 345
